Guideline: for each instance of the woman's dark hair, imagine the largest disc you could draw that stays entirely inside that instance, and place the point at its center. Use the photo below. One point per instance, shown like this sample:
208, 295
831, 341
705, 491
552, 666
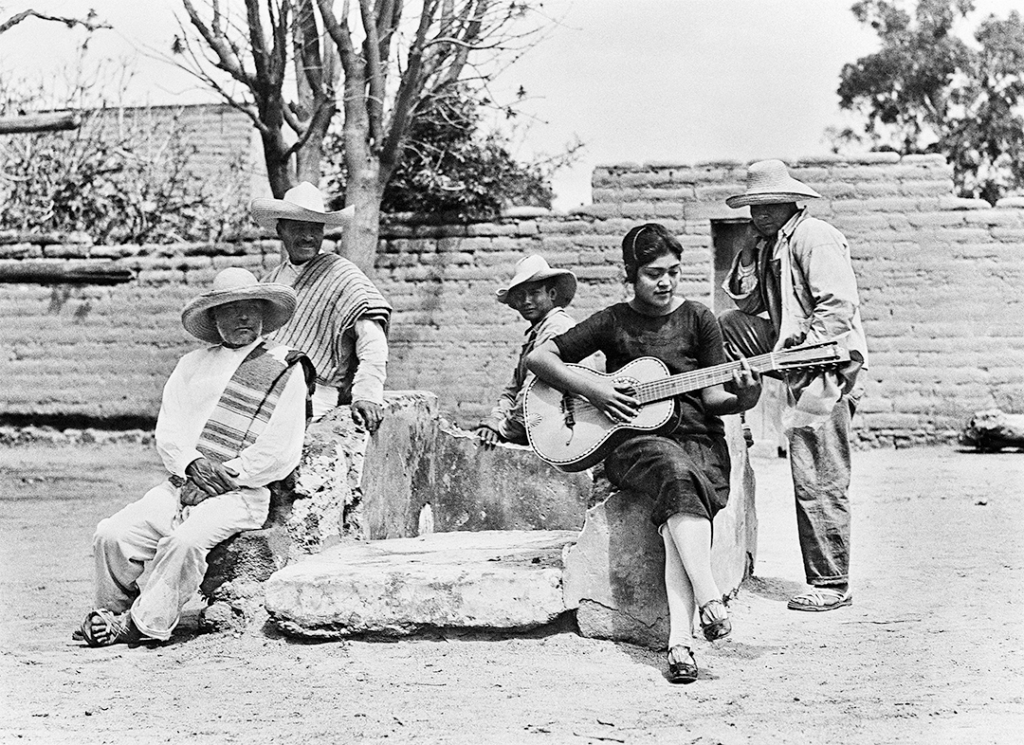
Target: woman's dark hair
645, 243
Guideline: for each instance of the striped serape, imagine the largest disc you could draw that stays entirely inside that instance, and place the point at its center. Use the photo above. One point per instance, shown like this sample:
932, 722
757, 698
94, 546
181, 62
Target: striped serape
332, 295
247, 402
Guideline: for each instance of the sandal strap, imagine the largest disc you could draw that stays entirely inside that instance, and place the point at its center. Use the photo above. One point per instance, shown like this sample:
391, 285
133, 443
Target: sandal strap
674, 657
708, 615
114, 624
821, 597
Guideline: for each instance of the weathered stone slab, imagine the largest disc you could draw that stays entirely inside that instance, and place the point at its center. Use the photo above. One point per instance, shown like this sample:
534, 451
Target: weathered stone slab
235, 570
353, 485
502, 488
479, 580
350, 482
614, 575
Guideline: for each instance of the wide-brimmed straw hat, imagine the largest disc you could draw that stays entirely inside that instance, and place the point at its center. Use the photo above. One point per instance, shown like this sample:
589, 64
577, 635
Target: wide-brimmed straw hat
230, 285
768, 182
534, 268
302, 202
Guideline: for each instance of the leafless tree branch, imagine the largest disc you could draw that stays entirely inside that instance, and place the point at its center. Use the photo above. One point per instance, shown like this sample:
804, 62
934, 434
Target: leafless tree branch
89, 22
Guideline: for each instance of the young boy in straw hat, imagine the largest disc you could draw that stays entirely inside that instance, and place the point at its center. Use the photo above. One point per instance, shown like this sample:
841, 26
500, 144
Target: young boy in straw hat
231, 421
799, 273
539, 294
341, 320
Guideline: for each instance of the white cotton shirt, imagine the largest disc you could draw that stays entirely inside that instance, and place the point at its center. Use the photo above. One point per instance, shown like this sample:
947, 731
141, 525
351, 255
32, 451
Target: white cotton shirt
190, 396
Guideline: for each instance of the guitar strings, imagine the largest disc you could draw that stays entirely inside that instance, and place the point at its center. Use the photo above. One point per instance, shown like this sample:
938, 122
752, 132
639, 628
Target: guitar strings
656, 390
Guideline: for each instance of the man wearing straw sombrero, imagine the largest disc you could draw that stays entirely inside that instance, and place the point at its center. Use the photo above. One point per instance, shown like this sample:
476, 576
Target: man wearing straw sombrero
232, 420
799, 273
341, 320
539, 294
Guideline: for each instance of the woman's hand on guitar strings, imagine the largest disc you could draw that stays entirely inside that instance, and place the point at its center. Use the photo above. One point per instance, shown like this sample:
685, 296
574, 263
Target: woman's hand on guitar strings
746, 385
616, 399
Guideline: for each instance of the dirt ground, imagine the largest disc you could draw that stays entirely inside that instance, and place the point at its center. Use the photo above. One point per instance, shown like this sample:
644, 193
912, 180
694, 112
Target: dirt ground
930, 652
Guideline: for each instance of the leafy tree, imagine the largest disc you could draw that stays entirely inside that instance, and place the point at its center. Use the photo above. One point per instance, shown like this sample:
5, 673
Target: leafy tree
381, 78
123, 175
449, 169
928, 91
986, 141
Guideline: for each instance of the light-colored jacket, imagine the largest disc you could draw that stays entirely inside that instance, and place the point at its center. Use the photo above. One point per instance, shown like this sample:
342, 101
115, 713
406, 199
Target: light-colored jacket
507, 416
818, 287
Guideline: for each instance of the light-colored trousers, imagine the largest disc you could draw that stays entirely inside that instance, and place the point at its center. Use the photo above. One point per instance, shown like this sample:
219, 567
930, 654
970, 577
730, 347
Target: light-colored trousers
325, 399
154, 530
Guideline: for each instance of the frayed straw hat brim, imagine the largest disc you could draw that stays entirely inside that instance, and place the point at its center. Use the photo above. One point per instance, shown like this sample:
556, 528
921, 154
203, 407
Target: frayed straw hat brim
279, 304
776, 197
565, 285
769, 182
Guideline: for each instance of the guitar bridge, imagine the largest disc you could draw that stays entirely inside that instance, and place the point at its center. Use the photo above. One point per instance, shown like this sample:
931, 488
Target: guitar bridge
568, 411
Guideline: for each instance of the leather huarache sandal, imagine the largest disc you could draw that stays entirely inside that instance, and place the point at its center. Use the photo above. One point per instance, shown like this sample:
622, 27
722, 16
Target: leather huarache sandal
820, 599
682, 667
714, 620
117, 628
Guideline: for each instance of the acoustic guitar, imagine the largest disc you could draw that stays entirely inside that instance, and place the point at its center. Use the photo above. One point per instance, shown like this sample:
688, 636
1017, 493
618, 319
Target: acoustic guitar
570, 433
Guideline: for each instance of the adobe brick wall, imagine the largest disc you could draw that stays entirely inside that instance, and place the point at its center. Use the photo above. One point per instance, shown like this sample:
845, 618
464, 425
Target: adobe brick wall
215, 134
939, 279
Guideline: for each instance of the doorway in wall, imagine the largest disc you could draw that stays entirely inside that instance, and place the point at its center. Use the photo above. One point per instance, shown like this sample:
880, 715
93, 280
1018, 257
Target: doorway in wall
728, 237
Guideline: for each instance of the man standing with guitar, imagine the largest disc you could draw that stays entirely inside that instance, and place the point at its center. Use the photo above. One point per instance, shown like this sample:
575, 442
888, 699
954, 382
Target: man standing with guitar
799, 272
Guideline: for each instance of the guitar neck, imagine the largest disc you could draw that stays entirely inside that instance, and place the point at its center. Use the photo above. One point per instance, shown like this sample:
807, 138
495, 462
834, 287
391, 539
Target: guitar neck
705, 377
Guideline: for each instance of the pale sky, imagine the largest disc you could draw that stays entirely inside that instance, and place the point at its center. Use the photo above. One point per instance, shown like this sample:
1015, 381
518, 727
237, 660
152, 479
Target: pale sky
634, 80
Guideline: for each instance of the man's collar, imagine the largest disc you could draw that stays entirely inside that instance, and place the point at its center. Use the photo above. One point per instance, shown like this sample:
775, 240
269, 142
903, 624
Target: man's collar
246, 349
299, 267
787, 230
537, 325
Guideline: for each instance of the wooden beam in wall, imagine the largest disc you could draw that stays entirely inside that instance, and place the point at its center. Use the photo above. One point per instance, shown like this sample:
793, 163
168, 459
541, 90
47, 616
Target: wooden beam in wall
51, 122
63, 273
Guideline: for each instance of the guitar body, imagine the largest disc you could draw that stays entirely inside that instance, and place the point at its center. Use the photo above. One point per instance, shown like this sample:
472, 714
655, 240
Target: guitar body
568, 432
572, 435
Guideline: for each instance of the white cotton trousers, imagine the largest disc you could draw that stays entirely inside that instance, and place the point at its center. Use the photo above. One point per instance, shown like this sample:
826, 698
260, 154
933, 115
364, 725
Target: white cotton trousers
155, 530
325, 399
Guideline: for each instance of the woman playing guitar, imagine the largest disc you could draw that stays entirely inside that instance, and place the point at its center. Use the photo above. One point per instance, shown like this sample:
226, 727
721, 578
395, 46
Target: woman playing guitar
684, 471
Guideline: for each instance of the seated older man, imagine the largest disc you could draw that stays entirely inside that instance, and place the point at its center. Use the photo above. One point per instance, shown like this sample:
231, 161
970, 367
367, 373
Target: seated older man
232, 421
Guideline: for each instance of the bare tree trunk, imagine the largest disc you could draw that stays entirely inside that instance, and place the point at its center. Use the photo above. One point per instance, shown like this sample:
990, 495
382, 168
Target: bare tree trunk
316, 73
364, 190
275, 157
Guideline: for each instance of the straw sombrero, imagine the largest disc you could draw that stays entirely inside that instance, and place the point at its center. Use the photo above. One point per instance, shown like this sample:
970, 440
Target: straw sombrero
534, 268
768, 182
233, 284
302, 202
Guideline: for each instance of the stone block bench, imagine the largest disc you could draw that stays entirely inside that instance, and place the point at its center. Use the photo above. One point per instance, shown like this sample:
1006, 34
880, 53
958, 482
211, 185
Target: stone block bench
493, 579
417, 474
609, 575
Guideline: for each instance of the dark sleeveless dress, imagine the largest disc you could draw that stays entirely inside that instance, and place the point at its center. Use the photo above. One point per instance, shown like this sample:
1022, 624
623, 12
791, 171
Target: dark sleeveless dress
687, 469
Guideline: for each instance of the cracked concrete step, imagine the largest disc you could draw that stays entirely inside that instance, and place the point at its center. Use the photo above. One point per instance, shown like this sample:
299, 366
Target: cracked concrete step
483, 580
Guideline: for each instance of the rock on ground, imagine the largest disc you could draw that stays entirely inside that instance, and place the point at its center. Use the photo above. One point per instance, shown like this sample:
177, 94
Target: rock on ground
480, 580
